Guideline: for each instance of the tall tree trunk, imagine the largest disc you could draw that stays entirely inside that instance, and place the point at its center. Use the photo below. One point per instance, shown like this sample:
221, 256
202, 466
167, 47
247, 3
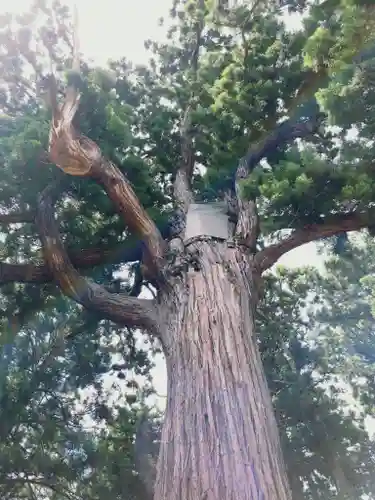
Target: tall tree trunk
220, 438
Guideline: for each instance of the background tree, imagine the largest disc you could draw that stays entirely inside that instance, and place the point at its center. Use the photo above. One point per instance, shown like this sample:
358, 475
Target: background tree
54, 402
325, 441
224, 82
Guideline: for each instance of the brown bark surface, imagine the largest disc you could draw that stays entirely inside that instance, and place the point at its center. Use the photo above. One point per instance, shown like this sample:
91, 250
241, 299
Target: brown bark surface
220, 439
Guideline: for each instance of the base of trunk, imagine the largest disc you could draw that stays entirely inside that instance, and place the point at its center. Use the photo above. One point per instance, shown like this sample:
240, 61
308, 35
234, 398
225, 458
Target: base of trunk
220, 439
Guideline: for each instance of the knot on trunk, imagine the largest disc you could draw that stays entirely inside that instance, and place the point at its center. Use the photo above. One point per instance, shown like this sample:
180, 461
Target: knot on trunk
181, 258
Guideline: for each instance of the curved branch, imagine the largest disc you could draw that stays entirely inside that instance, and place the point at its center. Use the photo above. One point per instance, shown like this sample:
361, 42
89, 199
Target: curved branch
82, 259
284, 134
247, 229
331, 226
86, 258
119, 308
78, 155
312, 81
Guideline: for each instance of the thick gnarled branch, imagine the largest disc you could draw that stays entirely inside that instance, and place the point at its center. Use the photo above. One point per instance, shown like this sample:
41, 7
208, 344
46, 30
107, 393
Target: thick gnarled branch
247, 230
78, 155
283, 135
329, 227
119, 308
85, 258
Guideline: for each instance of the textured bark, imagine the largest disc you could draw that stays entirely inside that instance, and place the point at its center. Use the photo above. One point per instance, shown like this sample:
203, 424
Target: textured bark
87, 258
117, 307
329, 226
130, 252
220, 438
77, 155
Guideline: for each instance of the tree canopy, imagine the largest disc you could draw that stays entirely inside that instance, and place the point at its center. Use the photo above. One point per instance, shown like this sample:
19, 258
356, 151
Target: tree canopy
298, 105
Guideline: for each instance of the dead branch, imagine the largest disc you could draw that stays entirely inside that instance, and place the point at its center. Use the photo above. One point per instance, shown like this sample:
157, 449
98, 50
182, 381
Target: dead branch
78, 155
119, 308
330, 226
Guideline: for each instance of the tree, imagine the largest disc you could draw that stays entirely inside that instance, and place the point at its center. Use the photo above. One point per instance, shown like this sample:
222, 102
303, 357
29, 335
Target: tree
47, 448
346, 316
327, 449
220, 87
62, 458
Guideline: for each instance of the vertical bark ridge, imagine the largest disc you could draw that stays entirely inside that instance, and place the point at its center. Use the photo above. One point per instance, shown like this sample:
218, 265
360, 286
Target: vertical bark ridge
219, 414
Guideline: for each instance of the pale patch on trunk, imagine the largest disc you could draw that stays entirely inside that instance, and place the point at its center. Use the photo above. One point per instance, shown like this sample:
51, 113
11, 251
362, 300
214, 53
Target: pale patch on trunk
220, 439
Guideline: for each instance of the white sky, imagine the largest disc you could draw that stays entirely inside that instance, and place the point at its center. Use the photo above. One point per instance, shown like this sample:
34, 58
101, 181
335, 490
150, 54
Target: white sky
113, 28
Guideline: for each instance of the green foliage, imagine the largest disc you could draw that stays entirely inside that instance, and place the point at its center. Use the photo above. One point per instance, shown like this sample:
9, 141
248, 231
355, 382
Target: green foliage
327, 449
250, 69
54, 401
